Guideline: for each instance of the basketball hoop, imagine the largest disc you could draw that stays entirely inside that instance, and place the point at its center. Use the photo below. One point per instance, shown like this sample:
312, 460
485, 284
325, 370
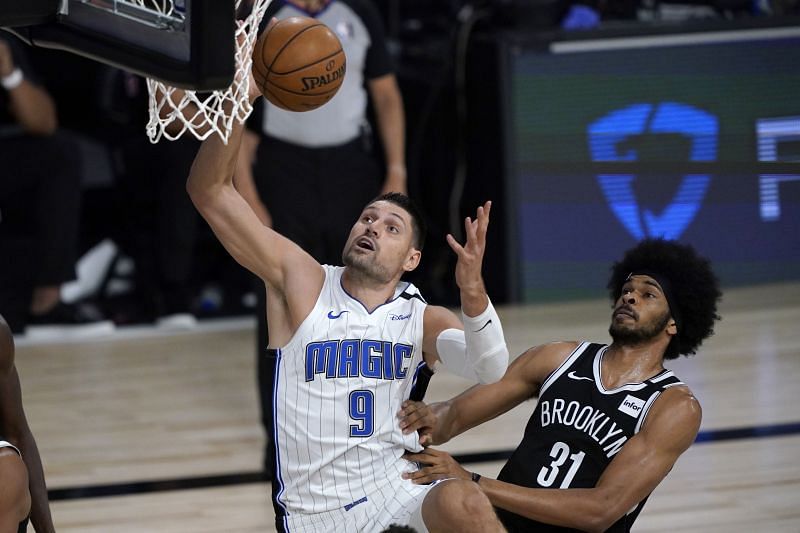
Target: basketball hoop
174, 112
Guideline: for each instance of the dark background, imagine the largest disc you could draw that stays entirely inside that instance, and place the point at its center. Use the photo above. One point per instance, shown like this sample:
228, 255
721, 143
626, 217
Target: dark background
493, 113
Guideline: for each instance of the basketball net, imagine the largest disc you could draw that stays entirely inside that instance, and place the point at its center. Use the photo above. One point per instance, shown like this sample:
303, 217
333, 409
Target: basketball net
174, 112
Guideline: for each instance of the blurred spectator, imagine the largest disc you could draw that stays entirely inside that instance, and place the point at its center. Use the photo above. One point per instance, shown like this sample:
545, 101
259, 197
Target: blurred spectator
40, 201
136, 199
153, 220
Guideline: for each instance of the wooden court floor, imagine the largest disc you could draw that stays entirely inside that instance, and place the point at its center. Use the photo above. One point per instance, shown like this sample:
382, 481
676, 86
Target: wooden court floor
143, 407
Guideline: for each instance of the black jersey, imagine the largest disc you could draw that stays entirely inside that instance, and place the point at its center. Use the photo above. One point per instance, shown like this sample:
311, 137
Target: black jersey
576, 430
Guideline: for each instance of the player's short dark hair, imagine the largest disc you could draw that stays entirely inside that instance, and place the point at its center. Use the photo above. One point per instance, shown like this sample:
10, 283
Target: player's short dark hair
694, 288
420, 227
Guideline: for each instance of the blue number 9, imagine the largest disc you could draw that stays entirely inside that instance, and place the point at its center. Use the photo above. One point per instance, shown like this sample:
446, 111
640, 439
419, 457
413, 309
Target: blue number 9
362, 404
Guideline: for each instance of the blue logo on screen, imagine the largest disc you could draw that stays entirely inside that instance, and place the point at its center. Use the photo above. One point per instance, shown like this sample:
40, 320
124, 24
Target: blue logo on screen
605, 136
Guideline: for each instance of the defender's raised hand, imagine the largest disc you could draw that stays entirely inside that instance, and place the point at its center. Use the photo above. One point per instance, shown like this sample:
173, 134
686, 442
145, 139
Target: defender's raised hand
470, 261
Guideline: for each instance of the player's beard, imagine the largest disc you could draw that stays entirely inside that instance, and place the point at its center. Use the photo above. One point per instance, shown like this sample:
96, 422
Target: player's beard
635, 336
366, 266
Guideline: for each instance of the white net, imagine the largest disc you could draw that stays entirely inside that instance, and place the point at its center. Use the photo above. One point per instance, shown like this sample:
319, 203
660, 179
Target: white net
165, 7
174, 112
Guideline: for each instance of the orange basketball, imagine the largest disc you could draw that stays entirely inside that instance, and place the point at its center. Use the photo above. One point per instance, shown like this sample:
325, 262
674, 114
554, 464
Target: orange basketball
298, 64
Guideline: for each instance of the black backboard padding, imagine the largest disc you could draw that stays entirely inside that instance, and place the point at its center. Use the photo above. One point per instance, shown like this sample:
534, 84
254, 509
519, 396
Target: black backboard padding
26, 12
201, 58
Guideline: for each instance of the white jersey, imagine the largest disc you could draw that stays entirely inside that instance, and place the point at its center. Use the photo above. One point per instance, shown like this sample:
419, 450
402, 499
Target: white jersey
339, 383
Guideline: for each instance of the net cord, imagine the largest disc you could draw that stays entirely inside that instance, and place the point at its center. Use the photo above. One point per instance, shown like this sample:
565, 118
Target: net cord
177, 112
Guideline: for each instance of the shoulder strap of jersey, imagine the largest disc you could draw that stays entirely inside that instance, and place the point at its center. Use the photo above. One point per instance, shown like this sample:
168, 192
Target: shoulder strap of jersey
665, 380
657, 385
410, 291
586, 349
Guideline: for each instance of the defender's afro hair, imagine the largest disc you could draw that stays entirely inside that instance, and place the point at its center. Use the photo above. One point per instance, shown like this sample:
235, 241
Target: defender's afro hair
694, 287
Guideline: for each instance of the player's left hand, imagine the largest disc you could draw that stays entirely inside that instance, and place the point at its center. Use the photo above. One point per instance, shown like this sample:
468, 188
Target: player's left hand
417, 416
436, 465
470, 256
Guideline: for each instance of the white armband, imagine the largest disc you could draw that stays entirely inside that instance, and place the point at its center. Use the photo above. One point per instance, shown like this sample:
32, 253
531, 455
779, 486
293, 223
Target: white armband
479, 352
13, 80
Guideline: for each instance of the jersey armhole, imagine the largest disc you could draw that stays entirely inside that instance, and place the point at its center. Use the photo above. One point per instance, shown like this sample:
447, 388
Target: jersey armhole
330, 276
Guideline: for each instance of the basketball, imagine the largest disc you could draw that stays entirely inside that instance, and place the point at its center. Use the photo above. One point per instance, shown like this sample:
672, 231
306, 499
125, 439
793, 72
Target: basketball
298, 64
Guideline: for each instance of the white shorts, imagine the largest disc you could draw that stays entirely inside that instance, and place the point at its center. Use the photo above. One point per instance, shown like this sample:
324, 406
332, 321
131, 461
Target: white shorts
402, 506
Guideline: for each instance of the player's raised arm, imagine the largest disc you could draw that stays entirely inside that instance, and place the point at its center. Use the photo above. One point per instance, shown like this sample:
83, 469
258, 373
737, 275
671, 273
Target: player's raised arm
256, 247
275, 259
477, 348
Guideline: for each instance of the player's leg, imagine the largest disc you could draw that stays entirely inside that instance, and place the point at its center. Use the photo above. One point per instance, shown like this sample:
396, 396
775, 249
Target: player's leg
456, 505
15, 498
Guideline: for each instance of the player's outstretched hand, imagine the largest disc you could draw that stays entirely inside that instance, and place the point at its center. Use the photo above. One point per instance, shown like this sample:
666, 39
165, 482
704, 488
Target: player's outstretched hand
470, 255
418, 416
436, 464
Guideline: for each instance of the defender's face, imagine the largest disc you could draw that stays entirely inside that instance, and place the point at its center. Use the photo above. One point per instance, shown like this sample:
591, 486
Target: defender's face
380, 243
641, 312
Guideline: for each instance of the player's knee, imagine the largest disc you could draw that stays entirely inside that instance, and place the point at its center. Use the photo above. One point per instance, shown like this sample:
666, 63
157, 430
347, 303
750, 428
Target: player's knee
15, 498
457, 506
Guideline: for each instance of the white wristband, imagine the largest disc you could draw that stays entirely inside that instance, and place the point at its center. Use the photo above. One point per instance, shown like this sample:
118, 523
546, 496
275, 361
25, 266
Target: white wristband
12, 81
479, 352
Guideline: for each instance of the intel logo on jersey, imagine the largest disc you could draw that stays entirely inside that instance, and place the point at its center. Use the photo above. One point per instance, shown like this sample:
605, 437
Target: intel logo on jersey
610, 140
632, 406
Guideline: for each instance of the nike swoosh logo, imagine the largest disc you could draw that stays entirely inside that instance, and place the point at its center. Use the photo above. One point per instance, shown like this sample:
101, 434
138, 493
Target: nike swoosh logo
334, 317
484, 326
574, 376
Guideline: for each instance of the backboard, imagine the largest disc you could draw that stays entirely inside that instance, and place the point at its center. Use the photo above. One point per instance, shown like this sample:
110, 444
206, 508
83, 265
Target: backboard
184, 43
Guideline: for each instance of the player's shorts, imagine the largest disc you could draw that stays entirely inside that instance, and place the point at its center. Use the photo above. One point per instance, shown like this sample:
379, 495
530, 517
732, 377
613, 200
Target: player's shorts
371, 514
6, 444
23, 526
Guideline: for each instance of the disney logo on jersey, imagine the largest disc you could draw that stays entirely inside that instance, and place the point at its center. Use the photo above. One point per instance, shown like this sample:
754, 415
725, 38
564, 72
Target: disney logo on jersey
350, 358
393, 316
631, 406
